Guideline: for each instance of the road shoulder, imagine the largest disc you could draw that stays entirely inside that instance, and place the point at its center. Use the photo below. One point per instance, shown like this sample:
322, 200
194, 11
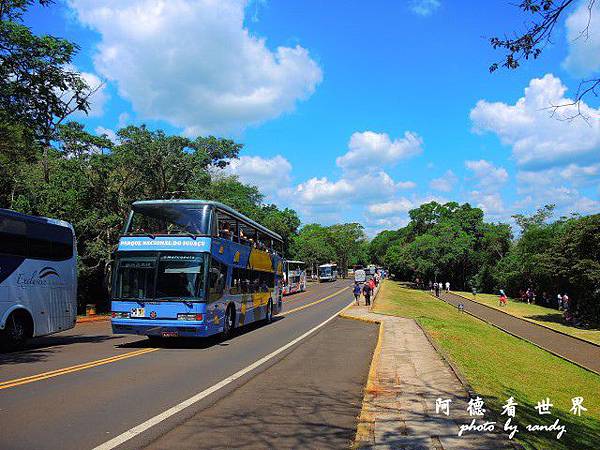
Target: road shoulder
310, 398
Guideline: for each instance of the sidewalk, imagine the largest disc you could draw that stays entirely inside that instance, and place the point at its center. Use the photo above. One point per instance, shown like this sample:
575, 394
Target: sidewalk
407, 376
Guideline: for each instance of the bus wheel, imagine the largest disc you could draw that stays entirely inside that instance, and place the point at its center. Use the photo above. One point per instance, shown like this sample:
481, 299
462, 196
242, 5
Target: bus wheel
269, 315
15, 332
228, 324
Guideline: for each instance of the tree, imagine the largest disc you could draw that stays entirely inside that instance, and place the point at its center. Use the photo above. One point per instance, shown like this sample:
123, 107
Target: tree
39, 88
545, 15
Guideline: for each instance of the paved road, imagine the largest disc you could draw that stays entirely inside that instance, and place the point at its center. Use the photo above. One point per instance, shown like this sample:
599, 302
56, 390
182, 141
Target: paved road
85, 406
581, 352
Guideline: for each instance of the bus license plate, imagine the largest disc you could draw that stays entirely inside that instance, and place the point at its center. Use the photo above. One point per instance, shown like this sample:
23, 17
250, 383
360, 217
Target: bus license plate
169, 334
138, 312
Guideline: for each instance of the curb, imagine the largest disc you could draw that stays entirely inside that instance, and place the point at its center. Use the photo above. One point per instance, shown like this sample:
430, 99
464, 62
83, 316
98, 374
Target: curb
88, 319
526, 320
564, 358
364, 429
468, 388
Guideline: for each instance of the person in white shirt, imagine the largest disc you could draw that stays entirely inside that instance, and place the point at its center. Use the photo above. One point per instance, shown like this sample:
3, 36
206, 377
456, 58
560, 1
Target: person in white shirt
447, 286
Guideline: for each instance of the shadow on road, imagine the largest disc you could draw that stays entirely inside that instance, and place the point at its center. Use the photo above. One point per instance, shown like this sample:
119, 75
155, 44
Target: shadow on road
556, 318
39, 349
193, 343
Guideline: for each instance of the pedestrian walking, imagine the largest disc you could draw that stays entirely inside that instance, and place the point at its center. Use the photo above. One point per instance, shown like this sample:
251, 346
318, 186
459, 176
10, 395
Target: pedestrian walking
503, 298
447, 286
372, 284
357, 290
431, 286
474, 292
367, 293
559, 301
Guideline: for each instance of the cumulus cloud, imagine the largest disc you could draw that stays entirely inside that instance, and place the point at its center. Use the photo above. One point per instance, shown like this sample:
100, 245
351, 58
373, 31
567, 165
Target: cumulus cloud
488, 176
424, 8
269, 174
110, 134
370, 149
97, 90
322, 191
193, 64
539, 140
393, 207
490, 203
583, 36
445, 183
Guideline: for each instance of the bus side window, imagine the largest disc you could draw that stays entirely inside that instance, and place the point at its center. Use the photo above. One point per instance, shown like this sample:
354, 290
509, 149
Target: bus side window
13, 237
217, 277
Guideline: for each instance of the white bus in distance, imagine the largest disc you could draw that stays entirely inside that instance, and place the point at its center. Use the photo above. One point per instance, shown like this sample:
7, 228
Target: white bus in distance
328, 272
294, 276
38, 277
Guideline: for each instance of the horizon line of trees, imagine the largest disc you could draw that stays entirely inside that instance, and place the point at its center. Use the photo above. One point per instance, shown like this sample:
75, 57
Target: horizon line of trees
452, 242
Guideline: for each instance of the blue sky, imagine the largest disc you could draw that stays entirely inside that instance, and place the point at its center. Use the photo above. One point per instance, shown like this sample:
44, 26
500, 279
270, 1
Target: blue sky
350, 110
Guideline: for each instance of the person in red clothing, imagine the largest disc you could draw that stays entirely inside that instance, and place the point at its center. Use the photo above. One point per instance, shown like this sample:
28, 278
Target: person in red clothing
372, 284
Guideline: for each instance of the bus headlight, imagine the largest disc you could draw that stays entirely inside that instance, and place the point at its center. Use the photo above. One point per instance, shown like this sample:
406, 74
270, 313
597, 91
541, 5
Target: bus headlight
190, 316
120, 315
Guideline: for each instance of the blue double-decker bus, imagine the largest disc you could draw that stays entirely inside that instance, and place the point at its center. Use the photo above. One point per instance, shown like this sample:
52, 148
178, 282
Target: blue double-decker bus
194, 268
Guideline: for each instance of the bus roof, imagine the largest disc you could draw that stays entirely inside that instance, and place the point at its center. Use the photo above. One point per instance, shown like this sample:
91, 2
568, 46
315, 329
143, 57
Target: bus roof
328, 265
218, 205
294, 262
37, 219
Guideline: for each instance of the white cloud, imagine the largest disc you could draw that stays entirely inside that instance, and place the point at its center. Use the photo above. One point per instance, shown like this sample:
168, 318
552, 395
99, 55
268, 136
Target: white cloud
406, 185
539, 140
322, 191
392, 207
268, 174
97, 90
424, 7
490, 203
583, 36
193, 63
372, 149
445, 183
110, 134
488, 176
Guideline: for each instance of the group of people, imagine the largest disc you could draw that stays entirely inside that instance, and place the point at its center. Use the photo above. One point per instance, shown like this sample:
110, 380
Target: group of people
366, 289
436, 288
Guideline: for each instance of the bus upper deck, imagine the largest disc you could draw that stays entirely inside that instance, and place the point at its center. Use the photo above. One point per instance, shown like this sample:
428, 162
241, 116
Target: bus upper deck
194, 268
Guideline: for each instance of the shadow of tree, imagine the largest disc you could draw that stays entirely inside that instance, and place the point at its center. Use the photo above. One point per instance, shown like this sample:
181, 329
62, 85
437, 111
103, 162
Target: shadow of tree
39, 349
195, 343
556, 318
582, 432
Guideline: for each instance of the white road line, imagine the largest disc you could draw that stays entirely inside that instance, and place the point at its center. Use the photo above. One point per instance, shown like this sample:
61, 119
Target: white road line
139, 429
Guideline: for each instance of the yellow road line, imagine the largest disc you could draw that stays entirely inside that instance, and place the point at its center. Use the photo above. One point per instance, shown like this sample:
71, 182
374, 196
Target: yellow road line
76, 368
112, 359
313, 303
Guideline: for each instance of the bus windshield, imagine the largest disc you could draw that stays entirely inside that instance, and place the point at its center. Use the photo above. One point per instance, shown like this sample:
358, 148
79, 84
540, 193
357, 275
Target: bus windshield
160, 276
324, 271
170, 219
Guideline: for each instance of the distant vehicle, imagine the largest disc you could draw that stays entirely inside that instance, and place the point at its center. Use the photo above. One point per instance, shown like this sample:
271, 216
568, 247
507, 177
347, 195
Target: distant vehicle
294, 276
328, 272
38, 277
370, 270
360, 276
194, 268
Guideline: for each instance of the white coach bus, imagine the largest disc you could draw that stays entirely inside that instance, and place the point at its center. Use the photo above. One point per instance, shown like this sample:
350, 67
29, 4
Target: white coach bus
328, 272
38, 277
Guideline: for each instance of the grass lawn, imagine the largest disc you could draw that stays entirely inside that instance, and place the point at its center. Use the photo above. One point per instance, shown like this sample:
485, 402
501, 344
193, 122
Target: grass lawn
535, 313
498, 366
